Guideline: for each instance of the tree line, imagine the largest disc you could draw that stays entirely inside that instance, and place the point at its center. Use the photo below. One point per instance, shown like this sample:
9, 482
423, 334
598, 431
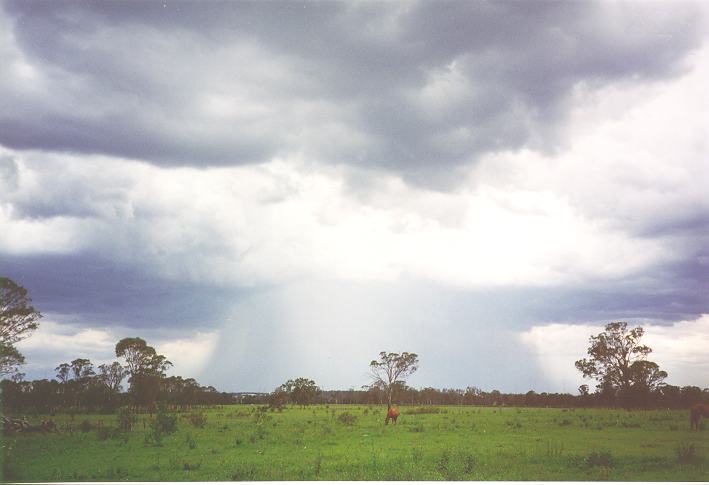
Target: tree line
617, 360
81, 387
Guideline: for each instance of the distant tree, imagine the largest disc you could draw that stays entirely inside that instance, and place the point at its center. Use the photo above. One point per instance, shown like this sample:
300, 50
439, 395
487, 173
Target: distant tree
145, 367
301, 390
112, 375
82, 369
618, 362
63, 372
392, 369
278, 398
18, 319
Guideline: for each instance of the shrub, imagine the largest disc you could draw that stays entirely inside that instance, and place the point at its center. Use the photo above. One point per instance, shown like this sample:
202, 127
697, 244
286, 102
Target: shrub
347, 419
197, 420
85, 426
600, 458
126, 419
163, 423
105, 433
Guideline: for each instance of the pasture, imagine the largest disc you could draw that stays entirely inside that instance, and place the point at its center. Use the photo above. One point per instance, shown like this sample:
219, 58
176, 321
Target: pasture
340, 442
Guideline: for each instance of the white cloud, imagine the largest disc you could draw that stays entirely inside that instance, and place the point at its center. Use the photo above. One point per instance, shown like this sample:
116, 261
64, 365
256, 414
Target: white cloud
680, 349
189, 356
54, 343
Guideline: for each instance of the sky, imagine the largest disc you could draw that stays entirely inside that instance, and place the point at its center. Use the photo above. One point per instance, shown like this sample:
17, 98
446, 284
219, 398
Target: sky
269, 190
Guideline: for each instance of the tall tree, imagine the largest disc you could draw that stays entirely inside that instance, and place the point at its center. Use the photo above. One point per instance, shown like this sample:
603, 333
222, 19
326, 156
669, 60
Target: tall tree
392, 369
146, 369
618, 362
18, 319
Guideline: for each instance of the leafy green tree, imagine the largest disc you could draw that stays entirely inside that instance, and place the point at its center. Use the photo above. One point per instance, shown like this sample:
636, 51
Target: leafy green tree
18, 319
10, 359
618, 362
391, 370
301, 390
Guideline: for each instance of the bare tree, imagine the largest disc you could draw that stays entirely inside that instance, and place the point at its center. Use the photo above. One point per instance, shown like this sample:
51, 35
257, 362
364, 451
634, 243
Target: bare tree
391, 370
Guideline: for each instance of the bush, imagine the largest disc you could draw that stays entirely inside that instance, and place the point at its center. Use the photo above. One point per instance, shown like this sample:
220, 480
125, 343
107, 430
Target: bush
347, 419
107, 433
85, 426
197, 420
126, 419
163, 423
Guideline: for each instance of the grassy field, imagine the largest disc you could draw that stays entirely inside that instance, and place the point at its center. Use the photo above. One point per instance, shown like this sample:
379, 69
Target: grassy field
317, 443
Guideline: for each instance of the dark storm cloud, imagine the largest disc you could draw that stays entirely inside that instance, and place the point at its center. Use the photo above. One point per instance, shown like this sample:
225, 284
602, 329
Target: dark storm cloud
371, 69
93, 291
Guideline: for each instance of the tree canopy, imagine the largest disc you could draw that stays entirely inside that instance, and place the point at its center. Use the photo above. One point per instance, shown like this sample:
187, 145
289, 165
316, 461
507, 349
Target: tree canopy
18, 319
617, 360
392, 369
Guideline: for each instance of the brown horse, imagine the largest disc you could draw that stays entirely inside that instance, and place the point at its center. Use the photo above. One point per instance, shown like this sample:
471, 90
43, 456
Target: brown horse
695, 412
392, 413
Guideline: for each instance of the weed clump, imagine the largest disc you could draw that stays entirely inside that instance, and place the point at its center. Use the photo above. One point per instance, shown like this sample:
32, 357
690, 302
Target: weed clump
468, 463
102, 434
347, 419
600, 459
187, 466
686, 453
191, 443
427, 410
443, 462
246, 474
417, 429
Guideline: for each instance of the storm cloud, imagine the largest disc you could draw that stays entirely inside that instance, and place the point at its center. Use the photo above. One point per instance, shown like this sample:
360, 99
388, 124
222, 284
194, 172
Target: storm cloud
401, 86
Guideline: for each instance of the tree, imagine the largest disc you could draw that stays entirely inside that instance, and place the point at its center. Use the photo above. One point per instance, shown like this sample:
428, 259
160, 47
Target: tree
18, 319
618, 362
112, 375
391, 369
301, 390
10, 359
146, 369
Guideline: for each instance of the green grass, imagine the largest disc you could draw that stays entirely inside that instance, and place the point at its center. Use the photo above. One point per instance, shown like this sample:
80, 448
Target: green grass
315, 443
